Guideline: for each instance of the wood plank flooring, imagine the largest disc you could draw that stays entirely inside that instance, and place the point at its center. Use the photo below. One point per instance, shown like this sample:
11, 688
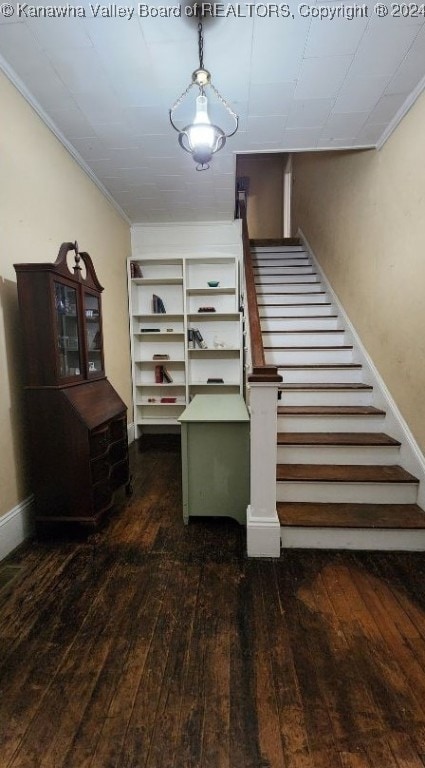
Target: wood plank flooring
154, 645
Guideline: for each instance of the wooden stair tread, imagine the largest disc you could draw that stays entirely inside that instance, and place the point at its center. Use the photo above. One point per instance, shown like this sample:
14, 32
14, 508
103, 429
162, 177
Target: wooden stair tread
336, 438
259, 242
338, 387
328, 346
343, 473
285, 282
307, 514
313, 304
308, 330
329, 410
296, 317
293, 293
321, 366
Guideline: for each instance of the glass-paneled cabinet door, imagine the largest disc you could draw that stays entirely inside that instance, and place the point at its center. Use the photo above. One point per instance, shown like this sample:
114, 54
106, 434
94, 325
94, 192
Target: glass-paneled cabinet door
67, 330
93, 327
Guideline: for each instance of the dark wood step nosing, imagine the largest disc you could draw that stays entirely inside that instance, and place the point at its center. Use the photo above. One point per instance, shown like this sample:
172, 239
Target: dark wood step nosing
320, 366
296, 317
329, 410
360, 516
309, 330
303, 304
320, 386
311, 349
344, 473
346, 439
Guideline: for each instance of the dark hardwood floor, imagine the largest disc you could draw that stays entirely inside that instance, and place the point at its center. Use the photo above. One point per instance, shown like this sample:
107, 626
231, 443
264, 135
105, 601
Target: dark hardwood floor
154, 645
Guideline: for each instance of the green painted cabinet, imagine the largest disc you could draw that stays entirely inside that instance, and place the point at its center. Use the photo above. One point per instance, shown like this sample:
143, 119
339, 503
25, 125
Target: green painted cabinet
215, 457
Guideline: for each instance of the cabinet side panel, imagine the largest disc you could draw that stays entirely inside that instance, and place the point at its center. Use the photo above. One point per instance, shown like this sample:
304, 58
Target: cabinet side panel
37, 324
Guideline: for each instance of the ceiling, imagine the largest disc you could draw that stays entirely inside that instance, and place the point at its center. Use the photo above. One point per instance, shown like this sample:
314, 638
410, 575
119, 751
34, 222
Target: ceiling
105, 84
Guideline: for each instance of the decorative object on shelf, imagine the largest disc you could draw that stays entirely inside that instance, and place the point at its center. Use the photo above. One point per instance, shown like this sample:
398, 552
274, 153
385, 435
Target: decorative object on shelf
213, 283
190, 339
214, 380
207, 309
158, 306
77, 422
158, 356
201, 138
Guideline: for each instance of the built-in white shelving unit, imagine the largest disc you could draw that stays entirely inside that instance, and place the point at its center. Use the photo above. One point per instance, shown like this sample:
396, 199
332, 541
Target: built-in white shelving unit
181, 287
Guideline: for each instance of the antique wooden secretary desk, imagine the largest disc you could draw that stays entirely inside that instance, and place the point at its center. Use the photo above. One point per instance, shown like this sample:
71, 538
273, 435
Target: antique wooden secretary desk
77, 421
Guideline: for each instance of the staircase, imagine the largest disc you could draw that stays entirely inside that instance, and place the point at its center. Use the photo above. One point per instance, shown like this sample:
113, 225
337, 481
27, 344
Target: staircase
339, 480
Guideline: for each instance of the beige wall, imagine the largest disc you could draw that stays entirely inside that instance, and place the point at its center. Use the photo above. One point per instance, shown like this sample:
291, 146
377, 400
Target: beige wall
45, 199
265, 199
363, 214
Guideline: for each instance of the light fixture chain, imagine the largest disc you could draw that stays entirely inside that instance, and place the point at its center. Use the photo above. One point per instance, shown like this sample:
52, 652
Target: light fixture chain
201, 46
180, 99
223, 101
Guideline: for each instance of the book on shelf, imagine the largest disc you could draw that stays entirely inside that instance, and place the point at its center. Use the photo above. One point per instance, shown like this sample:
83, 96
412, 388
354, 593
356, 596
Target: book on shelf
135, 269
190, 339
199, 339
168, 399
158, 356
159, 375
166, 376
158, 307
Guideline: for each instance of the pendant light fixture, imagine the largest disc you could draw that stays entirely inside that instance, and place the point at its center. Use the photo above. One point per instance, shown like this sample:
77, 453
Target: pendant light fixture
201, 138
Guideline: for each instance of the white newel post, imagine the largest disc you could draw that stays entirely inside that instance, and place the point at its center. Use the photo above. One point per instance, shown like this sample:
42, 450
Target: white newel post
263, 528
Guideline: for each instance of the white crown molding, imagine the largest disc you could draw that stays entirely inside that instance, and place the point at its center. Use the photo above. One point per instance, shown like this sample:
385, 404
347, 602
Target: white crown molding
23, 90
299, 150
402, 112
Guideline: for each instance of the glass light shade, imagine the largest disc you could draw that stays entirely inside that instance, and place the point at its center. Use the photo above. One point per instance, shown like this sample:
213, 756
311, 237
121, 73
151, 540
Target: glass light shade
201, 132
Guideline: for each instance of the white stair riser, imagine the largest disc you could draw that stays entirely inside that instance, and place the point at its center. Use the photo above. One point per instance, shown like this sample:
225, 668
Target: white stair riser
342, 423
321, 375
326, 397
289, 298
283, 271
294, 339
281, 280
308, 356
300, 324
347, 493
287, 288
296, 311
353, 538
338, 454
297, 261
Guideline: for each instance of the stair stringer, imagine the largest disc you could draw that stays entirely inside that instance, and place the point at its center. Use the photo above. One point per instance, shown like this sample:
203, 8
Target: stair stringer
411, 456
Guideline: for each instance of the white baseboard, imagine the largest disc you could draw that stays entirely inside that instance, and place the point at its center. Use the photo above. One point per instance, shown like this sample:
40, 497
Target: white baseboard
16, 526
263, 535
131, 432
411, 456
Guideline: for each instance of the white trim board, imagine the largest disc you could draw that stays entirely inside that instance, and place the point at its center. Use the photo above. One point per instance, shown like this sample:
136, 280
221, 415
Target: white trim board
402, 112
411, 456
16, 526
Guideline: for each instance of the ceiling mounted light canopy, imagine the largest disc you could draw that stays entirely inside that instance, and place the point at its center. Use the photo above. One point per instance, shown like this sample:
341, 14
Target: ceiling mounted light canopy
202, 139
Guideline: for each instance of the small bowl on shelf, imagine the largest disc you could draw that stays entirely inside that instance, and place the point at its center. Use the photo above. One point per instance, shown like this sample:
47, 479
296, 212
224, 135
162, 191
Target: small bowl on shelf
213, 283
